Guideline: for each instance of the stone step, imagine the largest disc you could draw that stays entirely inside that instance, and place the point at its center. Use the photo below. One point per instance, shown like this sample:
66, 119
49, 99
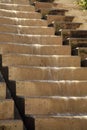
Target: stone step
2, 90
52, 88
66, 25
8, 20
11, 125
56, 122
20, 14
34, 49
6, 109
47, 73
53, 105
39, 60
77, 42
31, 39
66, 33
24, 2
22, 21
32, 22
17, 7
27, 29
52, 18
49, 11
40, 5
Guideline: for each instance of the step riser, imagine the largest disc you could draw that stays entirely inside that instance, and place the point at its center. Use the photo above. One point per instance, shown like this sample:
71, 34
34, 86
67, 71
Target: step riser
8, 60
38, 31
23, 22
2, 91
59, 26
5, 106
8, 21
35, 22
51, 18
73, 34
17, 7
20, 14
44, 12
77, 42
11, 124
55, 105
40, 5
60, 123
41, 50
51, 89
15, 73
30, 39
27, 30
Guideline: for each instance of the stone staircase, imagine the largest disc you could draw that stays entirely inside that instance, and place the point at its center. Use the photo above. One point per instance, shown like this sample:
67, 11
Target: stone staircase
42, 74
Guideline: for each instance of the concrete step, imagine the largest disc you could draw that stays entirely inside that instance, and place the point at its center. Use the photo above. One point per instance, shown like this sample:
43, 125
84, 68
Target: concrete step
77, 42
65, 25
53, 105
20, 14
11, 125
24, 2
39, 60
56, 122
47, 73
30, 39
66, 33
2, 90
52, 88
17, 7
6, 109
34, 49
27, 29
52, 18
22, 21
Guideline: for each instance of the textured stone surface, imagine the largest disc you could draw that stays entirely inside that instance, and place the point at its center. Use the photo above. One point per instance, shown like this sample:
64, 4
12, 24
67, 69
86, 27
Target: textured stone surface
37, 60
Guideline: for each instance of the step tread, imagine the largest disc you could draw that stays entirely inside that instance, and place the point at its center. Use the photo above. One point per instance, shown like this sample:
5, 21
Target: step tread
51, 88
33, 30
30, 39
22, 21
47, 73
54, 104
40, 60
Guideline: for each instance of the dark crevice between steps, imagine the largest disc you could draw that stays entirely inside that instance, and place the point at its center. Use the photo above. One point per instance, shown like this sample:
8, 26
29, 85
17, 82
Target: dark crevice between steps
11, 93
84, 63
19, 110
74, 52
